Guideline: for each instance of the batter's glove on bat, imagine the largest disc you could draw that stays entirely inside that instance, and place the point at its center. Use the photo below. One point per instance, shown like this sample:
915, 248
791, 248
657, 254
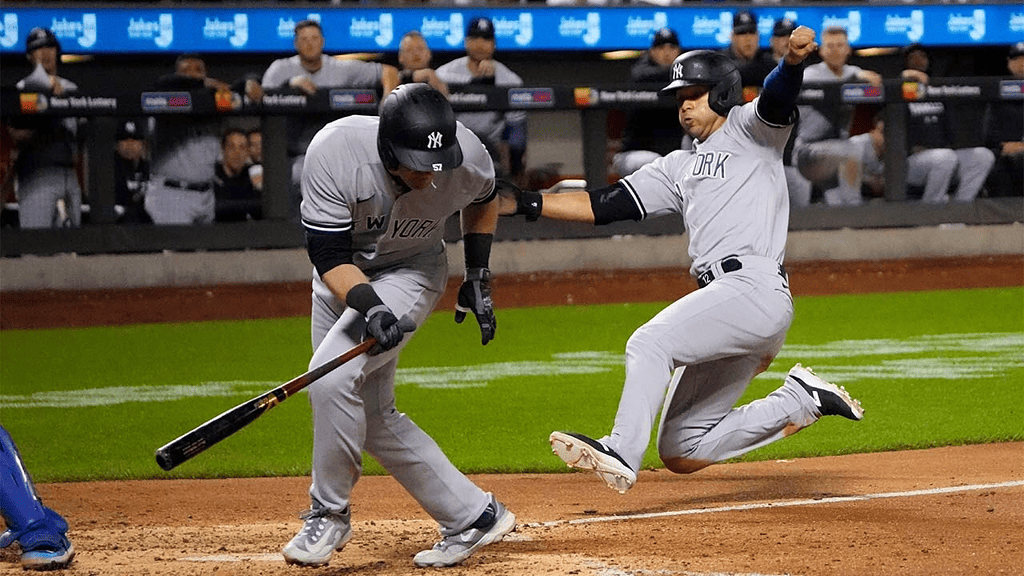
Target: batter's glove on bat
381, 323
475, 297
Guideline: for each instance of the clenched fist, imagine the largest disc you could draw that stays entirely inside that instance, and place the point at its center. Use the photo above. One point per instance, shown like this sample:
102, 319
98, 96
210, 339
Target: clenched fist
801, 45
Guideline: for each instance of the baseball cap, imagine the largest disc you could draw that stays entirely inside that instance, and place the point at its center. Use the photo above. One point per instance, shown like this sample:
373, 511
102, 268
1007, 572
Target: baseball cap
480, 27
665, 36
1017, 50
744, 23
130, 128
40, 38
783, 27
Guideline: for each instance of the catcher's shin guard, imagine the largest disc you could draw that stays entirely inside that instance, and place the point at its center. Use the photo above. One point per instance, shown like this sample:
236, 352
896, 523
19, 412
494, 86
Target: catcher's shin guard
22, 509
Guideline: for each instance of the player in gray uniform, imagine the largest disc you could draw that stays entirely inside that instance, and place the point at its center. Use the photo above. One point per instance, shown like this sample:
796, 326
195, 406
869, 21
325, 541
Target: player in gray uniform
49, 152
731, 192
310, 70
376, 195
503, 133
185, 152
822, 152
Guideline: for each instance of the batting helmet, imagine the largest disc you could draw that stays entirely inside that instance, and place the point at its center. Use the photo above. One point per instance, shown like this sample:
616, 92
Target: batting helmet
417, 130
707, 68
41, 38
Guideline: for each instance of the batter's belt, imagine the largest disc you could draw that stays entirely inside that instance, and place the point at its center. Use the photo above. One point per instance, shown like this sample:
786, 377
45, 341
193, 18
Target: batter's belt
734, 263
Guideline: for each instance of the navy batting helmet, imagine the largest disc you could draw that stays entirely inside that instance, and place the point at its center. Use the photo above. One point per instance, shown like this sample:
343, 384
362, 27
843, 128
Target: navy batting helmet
41, 38
711, 69
417, 130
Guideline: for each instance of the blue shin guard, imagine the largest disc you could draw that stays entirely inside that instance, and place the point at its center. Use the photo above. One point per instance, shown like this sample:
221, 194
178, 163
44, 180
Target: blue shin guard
39, 530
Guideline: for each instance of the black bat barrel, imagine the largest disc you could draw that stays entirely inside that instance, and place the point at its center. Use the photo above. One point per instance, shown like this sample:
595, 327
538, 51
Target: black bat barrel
217, 429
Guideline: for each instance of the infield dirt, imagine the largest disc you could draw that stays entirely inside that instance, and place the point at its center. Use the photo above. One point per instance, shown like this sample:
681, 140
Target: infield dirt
941, 511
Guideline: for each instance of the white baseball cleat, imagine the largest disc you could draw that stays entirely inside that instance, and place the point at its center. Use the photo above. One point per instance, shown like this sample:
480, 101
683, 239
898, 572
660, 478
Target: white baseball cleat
322, 534
492, 526
829, 399
579, 451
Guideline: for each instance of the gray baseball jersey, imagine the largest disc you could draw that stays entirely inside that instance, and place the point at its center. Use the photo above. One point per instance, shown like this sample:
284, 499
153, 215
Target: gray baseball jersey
397, 238
46, 162
184, 165
732, 194
332, 72
345, 187
730, 190
487, 125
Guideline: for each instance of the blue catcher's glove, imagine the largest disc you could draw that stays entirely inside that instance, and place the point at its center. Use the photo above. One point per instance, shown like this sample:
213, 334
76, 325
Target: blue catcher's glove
475, 297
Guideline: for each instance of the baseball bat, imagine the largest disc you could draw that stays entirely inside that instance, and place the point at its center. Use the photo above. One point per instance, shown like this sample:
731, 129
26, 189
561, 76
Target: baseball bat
199, 439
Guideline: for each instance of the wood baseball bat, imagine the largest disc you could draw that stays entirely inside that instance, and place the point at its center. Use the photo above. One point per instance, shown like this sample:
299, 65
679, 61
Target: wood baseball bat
199, 439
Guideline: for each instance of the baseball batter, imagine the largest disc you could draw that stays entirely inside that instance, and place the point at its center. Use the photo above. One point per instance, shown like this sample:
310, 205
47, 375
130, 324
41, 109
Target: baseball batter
731, 192
376, 193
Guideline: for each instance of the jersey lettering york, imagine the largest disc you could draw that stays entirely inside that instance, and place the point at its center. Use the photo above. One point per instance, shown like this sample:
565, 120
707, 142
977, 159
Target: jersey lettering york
710, 164
413, 228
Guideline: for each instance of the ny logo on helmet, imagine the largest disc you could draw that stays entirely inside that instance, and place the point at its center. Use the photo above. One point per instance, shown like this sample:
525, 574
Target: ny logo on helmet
677, 71
434, 140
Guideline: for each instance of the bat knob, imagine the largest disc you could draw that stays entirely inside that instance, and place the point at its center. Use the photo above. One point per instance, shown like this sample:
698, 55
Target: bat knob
164, 460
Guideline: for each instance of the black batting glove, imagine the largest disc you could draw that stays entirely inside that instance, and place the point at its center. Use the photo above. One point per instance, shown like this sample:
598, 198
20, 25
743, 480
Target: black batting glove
382, 325
475, 297
527, 202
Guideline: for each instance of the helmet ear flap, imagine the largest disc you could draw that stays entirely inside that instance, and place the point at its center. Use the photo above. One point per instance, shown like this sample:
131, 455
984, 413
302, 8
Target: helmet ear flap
726, 93
387, 155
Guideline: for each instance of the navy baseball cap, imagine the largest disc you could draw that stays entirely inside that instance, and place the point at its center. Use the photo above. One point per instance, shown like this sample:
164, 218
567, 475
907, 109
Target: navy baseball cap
480, 27
1017, 50
665, 36
783, 27
40, 38
744, 23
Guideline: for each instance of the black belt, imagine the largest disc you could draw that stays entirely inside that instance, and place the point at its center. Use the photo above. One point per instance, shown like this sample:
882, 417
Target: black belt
200, 187
728, 265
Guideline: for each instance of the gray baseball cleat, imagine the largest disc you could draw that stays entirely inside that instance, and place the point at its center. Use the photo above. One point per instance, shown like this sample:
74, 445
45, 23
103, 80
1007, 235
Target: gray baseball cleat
495, 522
323, 533
829, 399
579, 451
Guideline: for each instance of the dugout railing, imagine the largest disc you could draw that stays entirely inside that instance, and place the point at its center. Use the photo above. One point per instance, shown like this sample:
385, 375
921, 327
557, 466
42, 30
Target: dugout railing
280, 229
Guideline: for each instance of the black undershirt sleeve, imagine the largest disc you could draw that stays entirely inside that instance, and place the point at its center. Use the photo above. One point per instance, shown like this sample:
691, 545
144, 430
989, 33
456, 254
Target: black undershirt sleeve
328, 250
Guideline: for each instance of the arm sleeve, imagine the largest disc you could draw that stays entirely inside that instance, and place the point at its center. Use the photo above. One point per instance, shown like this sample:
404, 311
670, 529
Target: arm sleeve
777, 103
614, 203
327, 250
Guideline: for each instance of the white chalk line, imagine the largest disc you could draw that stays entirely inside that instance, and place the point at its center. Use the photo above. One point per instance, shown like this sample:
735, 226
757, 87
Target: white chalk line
781, 504
739, 507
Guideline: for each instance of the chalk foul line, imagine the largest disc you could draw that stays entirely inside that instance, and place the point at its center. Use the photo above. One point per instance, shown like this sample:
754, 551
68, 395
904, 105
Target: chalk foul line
781, 504
738, 507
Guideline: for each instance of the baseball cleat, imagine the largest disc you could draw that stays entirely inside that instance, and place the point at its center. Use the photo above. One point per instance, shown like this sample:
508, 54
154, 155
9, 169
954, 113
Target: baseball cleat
322, 534
829, 399
579, 451
51, 553
492, 526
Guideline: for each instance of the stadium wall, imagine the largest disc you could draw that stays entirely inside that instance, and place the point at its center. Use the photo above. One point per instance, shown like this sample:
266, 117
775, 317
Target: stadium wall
169, 269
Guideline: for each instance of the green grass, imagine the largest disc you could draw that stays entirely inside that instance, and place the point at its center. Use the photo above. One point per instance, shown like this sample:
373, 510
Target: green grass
931, 368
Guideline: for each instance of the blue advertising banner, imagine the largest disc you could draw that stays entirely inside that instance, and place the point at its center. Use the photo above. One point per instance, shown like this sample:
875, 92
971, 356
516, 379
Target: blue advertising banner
98, 30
